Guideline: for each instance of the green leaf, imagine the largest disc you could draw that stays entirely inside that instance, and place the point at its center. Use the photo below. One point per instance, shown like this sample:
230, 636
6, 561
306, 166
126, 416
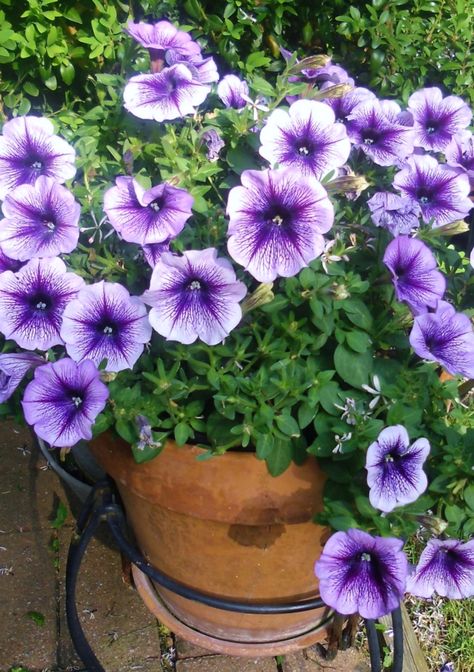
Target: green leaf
36, 616
358, 313
279, 458
182, 432
31, 89
125, 430
354, 368
73, 15
288, 425
358, 340
263, 87
51, 83
468, 495
264, 445
67, 73
306, 413
256, 60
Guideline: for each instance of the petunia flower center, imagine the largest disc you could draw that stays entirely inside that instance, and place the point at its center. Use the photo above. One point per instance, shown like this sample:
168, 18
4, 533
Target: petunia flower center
36, 164
365, 557
369, 137
303, 150
40, 302
156, 205
77, 400
49, 224
194, 285
389, 458
107, 329
424, 196
277, 220
431, 126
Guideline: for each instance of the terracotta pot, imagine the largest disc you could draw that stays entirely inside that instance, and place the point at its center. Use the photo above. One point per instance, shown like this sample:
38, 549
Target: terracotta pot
226, 527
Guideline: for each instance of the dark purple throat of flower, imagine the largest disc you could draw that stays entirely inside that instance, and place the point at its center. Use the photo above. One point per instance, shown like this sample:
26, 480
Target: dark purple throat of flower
40, 302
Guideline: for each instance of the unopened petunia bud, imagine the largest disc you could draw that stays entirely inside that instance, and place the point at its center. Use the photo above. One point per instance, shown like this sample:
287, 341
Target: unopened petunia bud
336, 91
262, 295
318, 61
347, 184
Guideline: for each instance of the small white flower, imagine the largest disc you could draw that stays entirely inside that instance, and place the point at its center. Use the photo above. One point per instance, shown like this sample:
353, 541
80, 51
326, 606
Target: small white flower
349, 411
256, 105
327, 257
340, 440
375, 390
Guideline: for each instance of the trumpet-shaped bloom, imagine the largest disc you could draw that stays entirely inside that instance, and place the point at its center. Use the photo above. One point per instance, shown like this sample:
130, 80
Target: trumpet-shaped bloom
194, 296
395, 469
445, 567
13, 368
306, 138
277, 218
154, 251
383, 141
446, 337
63, 401
32, 302
146, 216
343, 106
203, 70
169, 94
163, 36
415, 273
394, 213
460, 154
441, 192
105, 322
361, 573
231, 89
28, 149
437, 119
41, 220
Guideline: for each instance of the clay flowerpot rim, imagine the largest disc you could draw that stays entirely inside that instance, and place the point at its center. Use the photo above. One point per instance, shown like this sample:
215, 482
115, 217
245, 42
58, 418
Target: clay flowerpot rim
234, 488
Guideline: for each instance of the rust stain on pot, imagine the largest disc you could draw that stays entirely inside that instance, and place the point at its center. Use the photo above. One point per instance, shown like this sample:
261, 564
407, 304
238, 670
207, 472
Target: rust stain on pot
256, 535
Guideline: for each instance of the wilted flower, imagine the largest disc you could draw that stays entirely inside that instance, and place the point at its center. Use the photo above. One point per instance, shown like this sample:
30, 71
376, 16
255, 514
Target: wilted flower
441, 192
146, 216
394, 213
32, 302
446, 337
28, 149
445, 567
395, 469
146, 439
105, 322
361, 573
63, 401
169, 94
277, 219
415, 273
194, 296
437, 119
41, 220
230, 90
384, 142
306, 138
13, 368
214, 143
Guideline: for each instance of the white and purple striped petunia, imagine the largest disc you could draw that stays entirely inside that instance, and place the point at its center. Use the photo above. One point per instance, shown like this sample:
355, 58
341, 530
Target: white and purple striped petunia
147, 216
393, 212
194, 296
28, 149
395, 473
169, 94
63, 401
437, 119
32, 302
105, 322
13, 368
384, 141
415, 273
306, 138
231, 90
41, 220
154, 252
442, 192
163, 36
446, 337
460, 154
362, 574
277, 218
343, 106
445, 567
203, 70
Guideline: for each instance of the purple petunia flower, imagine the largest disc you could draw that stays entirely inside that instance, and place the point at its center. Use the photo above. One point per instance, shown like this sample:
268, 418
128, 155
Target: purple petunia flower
345, 105
445, 567
145, 434
63, 401
460, 154
331, 72
361, 573
383, 141
446, 337
230, 90
163, 36
146, 216
194, 296
437, 119
169, 94
32, 302
441, 192
277, 218
214, 143
28, 149
13, 368
154, 252
105, 322
41, 220
394, 213
415, 273
306, 138
7, 264
203, 70
395, 469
